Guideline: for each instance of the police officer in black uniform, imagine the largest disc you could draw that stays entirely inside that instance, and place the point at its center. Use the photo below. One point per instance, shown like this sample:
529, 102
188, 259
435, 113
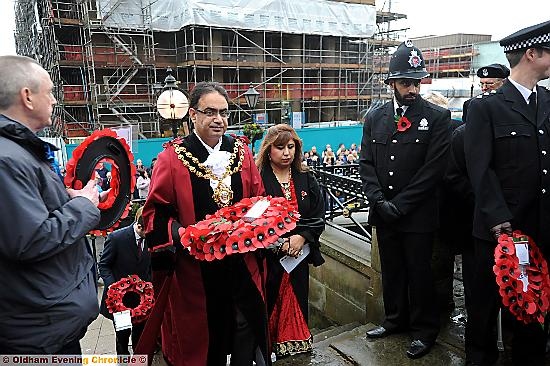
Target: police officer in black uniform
403, 158
457, 207
491, 77
507, 144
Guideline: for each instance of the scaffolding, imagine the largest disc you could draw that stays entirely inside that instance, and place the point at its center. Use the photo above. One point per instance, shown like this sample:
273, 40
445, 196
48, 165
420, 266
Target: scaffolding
109, 76
450, 56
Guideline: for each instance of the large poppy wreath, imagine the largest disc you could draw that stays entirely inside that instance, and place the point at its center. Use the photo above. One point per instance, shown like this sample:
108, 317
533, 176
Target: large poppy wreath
104, 146
131, 293
530, 305
225, 232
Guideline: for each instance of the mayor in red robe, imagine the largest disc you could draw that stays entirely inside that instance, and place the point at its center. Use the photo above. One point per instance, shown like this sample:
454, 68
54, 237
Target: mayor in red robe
213, 308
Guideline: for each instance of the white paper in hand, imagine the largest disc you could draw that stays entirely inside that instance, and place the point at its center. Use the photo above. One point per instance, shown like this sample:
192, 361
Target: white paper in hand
289, 263
122, 320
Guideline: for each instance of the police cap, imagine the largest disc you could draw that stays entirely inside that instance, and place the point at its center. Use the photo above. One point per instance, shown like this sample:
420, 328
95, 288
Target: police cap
534, 36
493, 71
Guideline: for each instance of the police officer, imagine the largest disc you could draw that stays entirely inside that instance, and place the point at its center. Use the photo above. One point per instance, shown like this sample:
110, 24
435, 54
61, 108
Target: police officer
403, 158
457, 193
491, 77
507, 144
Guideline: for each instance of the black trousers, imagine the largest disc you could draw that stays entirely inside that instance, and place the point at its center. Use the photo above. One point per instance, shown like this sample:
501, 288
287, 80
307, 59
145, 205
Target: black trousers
123, 338
407, 281
529, 341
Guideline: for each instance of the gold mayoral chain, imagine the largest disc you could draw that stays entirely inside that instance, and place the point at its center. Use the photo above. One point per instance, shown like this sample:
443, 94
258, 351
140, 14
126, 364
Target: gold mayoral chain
223, 194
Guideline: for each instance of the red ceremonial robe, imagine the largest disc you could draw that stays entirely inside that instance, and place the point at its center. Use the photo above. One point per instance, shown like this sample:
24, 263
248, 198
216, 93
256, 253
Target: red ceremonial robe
198, 320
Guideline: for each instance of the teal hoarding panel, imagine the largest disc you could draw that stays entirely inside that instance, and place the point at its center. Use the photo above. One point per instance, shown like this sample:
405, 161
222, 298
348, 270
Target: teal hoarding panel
319, 137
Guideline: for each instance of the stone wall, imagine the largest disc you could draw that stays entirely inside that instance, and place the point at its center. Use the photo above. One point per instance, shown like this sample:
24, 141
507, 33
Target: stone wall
347, 287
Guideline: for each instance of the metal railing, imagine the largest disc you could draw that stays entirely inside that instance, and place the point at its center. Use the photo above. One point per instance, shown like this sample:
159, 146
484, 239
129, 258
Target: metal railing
344, 198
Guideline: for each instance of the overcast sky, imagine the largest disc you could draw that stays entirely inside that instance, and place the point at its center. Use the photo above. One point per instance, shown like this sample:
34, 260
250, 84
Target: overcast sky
425, 17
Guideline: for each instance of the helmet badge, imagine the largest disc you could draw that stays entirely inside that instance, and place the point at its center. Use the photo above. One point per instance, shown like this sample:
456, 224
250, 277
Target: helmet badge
414, 59
485, 72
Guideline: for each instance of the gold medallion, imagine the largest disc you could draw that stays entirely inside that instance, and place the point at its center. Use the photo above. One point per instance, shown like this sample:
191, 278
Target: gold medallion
223, 195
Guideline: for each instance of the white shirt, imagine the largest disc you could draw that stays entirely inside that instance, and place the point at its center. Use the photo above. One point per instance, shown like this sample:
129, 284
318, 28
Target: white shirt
395, 106
138, 237
217, 161
525, 92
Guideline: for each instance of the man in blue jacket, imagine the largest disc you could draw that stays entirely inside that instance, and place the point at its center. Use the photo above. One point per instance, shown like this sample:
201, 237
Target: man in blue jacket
47, 273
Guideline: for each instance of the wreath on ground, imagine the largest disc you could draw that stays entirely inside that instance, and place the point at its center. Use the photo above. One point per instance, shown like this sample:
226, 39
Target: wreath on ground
528, 302
104, 146
225, 232
131, 293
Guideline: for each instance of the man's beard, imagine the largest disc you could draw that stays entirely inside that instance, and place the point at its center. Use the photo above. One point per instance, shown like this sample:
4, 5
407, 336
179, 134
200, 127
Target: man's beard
408, 99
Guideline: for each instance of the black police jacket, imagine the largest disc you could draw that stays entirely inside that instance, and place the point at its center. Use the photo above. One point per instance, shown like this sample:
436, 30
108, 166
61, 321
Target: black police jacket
508, 161
406, 167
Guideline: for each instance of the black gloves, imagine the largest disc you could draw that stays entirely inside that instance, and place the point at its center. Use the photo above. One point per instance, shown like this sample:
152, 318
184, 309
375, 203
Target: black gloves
503, 228
387, 211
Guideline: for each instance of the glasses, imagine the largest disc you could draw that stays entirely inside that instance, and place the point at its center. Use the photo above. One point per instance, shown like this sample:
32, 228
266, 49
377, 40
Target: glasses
211, 112
406, 83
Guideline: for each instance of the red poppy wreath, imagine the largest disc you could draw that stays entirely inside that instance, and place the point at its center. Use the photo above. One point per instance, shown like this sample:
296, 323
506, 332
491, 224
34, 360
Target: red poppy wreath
225, 232
131, 293
528, 304
104, 146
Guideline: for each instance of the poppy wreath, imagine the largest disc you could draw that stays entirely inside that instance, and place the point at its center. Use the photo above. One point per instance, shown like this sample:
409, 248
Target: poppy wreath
527, 306
225, 232
105, 146
131, 285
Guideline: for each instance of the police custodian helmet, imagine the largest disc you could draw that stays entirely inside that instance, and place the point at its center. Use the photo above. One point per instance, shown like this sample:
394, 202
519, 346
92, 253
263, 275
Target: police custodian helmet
407, 62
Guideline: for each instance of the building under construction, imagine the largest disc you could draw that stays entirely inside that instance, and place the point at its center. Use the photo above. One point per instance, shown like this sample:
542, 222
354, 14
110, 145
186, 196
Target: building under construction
318, 60
450, 56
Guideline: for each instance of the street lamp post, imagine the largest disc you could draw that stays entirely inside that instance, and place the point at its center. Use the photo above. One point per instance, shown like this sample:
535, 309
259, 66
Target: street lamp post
252, 96
172, 104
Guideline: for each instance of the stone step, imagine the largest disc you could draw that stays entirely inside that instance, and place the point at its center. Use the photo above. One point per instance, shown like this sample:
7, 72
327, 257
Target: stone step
354, 347
319, 356
316, 331
321, 339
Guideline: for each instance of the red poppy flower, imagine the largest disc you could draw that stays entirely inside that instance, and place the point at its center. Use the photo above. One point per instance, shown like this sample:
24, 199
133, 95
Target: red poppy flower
246, 241
507, 247
260, 234
232, 244
280, 226
403, 124
209, 251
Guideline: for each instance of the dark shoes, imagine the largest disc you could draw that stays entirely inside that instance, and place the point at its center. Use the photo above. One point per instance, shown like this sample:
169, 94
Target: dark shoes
418, 349
378, 332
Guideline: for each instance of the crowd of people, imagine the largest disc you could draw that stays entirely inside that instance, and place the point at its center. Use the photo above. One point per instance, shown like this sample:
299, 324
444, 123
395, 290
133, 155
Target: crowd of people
246, 304
328, 157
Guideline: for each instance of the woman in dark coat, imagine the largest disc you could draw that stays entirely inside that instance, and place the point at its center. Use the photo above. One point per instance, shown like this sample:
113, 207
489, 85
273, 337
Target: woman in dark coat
283, 175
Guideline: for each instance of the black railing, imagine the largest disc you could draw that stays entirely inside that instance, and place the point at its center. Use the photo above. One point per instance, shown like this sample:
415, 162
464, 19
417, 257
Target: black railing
344, 197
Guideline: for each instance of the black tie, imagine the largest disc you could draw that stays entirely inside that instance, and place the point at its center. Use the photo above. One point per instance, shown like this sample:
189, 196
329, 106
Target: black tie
533, 104
140, 249
399, 111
